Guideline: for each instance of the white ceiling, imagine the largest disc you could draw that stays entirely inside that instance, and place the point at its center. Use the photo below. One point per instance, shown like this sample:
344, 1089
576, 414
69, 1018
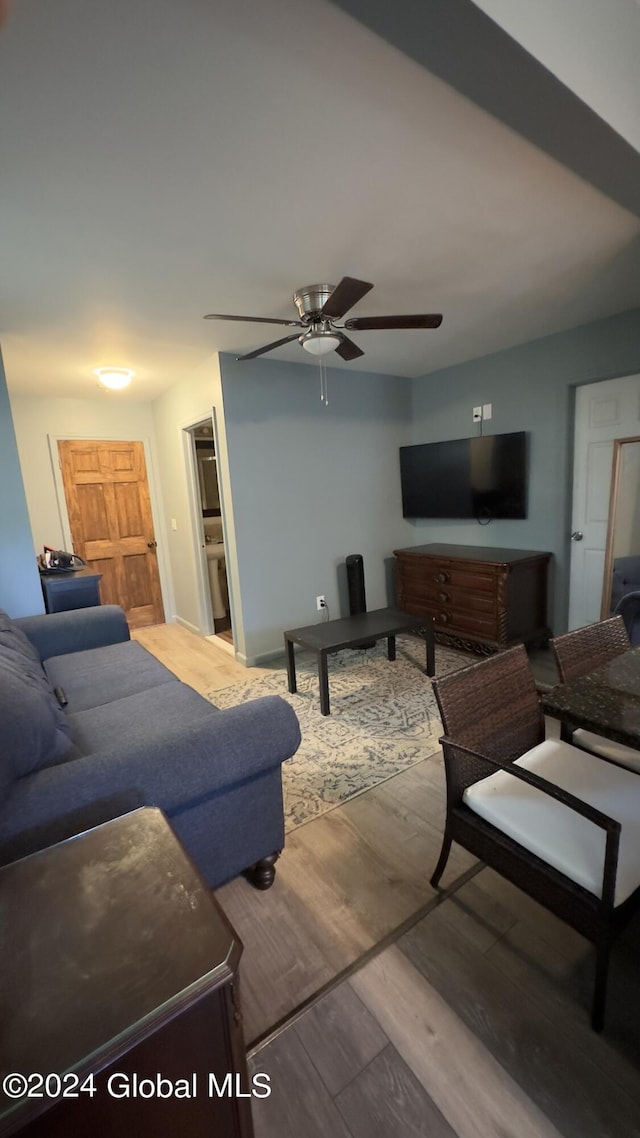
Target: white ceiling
165, 159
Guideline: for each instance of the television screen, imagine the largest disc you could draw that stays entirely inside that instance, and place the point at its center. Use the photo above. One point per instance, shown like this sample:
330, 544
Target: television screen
483, 477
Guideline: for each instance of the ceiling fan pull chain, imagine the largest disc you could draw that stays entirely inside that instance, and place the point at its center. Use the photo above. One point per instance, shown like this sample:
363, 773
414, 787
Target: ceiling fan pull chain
324, 394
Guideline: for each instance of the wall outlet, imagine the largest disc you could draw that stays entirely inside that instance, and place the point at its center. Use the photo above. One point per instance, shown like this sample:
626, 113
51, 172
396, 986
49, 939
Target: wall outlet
477, 414
320, 603
487, 410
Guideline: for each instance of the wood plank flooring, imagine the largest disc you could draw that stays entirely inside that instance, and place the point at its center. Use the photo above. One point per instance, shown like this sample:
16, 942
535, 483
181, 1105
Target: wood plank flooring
379, 1008
197, 661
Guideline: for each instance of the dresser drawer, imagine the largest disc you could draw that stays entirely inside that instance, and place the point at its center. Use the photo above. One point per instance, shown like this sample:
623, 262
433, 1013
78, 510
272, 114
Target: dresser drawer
462, 576
479, 624
461, 598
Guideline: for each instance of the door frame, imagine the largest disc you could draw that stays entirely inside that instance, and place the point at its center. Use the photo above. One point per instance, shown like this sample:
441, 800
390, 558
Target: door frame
205, 611
578, 442
166, 589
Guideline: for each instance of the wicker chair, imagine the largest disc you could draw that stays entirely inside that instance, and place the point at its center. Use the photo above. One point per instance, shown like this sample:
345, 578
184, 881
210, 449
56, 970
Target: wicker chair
526, 806
579, 652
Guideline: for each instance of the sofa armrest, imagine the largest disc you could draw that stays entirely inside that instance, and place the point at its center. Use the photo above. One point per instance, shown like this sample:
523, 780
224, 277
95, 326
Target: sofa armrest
173, 770
58, 633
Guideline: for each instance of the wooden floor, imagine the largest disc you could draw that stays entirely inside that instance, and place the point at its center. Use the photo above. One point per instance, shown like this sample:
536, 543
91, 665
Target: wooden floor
198, 662
380, 1008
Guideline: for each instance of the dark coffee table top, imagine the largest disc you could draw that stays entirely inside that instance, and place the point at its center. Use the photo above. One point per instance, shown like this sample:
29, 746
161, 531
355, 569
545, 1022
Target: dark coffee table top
332, 635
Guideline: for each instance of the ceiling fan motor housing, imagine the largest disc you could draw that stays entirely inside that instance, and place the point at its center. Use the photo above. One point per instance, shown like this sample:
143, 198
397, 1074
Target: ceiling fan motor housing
310, 299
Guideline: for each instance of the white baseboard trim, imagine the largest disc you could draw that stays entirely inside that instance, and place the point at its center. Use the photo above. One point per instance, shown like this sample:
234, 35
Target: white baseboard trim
187, 624
262, 658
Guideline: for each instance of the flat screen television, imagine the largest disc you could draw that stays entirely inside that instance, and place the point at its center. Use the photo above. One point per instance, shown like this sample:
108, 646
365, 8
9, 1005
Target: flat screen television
483, 477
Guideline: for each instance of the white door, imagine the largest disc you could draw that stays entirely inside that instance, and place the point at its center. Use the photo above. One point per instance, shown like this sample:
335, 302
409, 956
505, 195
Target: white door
604, 412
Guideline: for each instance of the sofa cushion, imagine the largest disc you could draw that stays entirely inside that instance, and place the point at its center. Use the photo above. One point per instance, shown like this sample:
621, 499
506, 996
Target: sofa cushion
100, 675
35, 732
137, 719
13, 638
555, 833
34, 676
19, 655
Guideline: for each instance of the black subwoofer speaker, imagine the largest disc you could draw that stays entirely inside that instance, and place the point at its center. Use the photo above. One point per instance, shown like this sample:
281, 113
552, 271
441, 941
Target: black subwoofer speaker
355, 583
355, 586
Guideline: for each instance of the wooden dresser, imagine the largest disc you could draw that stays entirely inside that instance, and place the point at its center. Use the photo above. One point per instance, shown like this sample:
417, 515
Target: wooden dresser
479, 598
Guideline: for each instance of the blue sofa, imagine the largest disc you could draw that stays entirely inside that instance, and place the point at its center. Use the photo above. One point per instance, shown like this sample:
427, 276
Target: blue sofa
92, 726
625, 578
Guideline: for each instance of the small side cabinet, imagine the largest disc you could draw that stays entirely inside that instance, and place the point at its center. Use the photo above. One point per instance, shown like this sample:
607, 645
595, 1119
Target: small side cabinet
119, 990
78, 590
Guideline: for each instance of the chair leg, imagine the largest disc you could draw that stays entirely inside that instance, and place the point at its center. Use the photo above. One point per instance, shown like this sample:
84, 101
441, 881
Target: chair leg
603, 949
443, 859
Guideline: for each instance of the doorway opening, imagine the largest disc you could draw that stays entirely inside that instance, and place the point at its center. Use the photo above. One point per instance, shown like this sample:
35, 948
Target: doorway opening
212, 543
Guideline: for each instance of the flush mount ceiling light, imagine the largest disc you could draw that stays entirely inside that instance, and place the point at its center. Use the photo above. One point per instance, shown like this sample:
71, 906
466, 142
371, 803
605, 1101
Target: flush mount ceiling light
114, 378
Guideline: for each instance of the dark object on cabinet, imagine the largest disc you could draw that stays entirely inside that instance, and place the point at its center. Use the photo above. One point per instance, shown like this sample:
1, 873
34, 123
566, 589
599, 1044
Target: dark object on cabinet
74, 590
480, 599
117, 964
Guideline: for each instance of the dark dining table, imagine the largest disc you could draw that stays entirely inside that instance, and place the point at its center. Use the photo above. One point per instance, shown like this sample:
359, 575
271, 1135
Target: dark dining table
605, 700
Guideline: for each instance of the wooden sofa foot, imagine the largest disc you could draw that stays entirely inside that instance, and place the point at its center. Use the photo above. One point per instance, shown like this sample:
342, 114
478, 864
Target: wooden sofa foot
262, 874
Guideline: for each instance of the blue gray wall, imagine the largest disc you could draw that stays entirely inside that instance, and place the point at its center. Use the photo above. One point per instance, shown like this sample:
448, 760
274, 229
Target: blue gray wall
531, 388
20, 592
310, 485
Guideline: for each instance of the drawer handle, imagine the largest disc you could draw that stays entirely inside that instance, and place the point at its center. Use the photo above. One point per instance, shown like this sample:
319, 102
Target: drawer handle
441, 578
443, 598
443, 618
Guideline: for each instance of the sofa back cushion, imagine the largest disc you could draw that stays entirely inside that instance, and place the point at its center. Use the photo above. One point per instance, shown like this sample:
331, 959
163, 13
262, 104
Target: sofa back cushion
14, 638
34, 733
34, 729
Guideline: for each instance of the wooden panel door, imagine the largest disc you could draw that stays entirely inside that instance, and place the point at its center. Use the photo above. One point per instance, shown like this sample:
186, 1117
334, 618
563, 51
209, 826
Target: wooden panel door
107, 493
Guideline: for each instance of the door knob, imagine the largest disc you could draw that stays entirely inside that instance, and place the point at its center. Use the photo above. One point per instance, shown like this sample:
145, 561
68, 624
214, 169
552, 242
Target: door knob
577, 535
152, 544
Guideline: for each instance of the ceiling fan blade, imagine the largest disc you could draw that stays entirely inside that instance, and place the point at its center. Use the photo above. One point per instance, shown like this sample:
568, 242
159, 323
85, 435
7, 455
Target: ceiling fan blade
256, 320
362, 323
268, 347
348, 350
344, 296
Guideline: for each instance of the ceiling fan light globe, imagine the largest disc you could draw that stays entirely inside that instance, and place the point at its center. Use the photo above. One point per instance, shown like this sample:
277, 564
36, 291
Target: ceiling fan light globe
319, 343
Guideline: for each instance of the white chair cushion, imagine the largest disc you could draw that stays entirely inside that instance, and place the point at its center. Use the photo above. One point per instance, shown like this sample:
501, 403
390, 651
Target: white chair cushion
554, 832
608, 748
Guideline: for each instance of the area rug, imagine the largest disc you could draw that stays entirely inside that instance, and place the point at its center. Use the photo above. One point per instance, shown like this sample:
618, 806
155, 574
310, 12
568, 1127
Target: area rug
384, 719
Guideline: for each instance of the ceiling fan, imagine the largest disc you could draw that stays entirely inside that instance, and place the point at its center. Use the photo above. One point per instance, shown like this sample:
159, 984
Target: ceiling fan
320, 306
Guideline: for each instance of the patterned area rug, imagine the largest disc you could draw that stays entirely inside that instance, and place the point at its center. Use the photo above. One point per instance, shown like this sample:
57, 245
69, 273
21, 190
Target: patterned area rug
384, 719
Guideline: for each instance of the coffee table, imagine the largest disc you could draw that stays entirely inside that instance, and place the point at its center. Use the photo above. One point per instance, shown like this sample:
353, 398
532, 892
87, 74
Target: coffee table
334, 635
